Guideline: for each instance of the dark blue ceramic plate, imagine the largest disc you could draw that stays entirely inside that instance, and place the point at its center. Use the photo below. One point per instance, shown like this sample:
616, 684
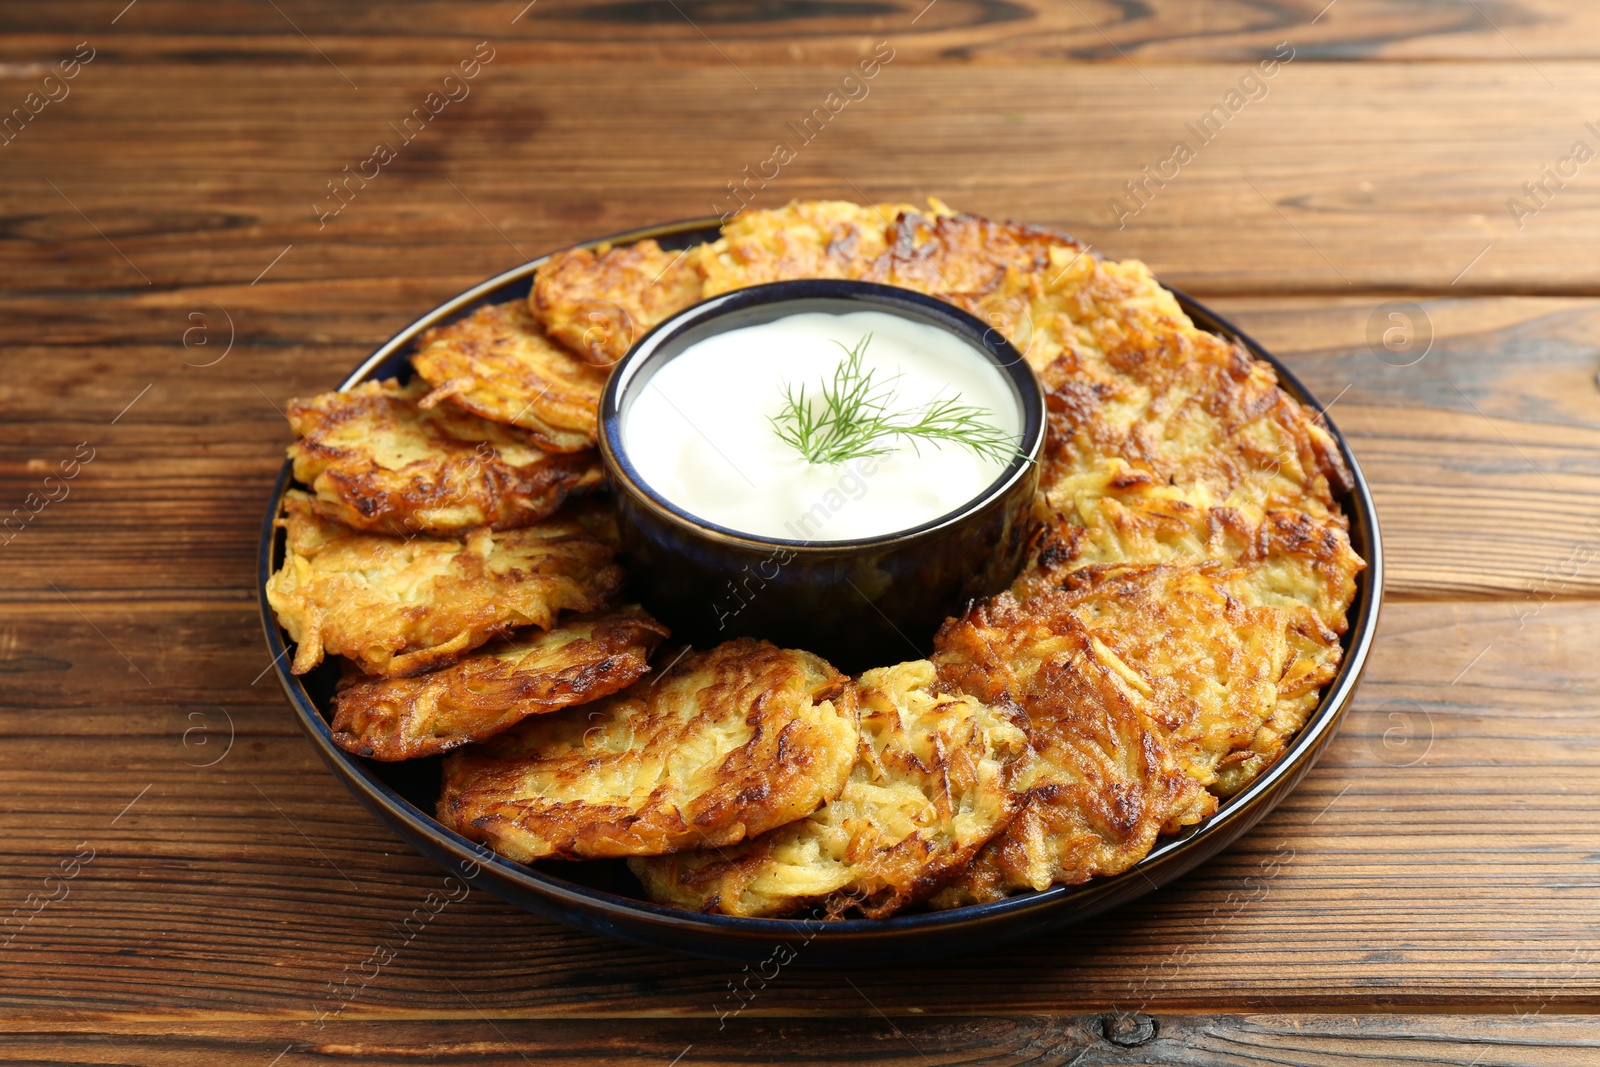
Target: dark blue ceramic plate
602, 896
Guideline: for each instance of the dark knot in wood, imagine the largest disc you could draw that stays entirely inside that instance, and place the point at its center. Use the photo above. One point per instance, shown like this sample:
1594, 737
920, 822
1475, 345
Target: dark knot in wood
1128, 1030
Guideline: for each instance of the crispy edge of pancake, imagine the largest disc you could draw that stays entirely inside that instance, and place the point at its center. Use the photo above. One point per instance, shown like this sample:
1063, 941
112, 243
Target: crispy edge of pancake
1214, 651
377, 462
1217, 435
403, 606
598, 301
802, 239
723, 745
1104, 783
1317, 656
1126, 373
1311, 558
993, 270
497, 363
1301, 568
930, 786
961, 255
582, 659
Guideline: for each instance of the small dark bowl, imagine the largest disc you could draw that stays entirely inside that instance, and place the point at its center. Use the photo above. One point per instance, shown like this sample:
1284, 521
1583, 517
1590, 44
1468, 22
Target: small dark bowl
858, 603
602, 898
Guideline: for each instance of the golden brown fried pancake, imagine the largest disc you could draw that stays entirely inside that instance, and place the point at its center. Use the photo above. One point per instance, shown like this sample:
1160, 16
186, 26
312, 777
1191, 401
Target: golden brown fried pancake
1308, 561
1300, 560
1105, 781
599, 301
1108, 315
380, 463
804, 239
963, 254
1140, 400
992, 270
1134, 529
1218, 651
931, 784
1217, 663
582, 659
400, 606
1223, 435
724, 745
498, 363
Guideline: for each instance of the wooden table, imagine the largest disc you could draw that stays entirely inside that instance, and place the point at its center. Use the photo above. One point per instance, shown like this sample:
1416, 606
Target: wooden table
174, 272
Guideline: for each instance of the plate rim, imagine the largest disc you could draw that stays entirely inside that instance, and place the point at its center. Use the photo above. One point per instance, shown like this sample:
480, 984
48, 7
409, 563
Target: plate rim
1234, 817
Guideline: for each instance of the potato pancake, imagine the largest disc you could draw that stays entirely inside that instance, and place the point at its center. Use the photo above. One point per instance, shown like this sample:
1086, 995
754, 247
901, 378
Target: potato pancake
804, 239
1301, 560
1214, 649
988, 269
1111, 316
582, 659
1133, 529
963, 254
931, 785
1223, 435
599, 301
723, 745
378, 462
1133, 388
401, 606
498, 363
1222, 663
1104, 783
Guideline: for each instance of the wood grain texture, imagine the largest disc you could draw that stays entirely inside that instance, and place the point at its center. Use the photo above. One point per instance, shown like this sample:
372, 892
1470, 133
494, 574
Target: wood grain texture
1165, 1040
809, 31
167, 285
1299, 191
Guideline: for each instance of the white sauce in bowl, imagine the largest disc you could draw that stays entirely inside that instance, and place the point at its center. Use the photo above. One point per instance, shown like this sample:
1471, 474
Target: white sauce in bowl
700, 433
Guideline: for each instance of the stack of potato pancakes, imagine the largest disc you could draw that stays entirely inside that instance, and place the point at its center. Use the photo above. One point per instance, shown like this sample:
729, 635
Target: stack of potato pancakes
1180, 612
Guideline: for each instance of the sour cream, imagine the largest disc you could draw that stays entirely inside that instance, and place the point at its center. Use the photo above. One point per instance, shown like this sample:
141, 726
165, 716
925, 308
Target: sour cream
700, 431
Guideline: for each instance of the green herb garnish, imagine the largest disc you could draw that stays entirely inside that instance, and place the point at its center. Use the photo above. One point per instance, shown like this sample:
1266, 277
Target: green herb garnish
852, 419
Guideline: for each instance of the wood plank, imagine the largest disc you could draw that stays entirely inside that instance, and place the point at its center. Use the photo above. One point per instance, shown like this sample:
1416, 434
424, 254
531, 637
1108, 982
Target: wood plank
1094, 1040
966, 30
1442, 856
1346, 177
1484, 454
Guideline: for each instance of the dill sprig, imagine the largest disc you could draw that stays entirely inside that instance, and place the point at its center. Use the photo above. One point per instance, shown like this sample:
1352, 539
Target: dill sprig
852, 420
